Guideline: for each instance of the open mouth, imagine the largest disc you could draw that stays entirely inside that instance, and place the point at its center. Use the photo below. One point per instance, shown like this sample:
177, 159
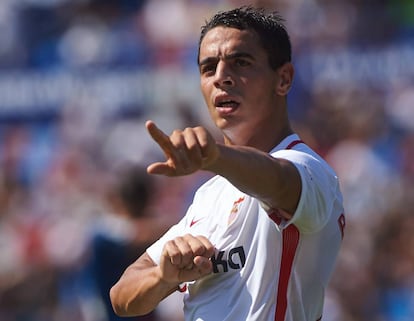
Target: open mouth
226, 106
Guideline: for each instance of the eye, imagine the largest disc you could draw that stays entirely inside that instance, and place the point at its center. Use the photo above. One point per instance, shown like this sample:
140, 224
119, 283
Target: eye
207, 69
242, 62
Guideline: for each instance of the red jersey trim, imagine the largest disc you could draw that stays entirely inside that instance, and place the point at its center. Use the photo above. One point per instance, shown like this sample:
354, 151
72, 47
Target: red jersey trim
290, 239
182, 288
294, 143
290, 242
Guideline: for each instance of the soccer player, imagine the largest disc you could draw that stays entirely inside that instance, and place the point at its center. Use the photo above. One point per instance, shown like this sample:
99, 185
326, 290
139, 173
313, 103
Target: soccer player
260, 240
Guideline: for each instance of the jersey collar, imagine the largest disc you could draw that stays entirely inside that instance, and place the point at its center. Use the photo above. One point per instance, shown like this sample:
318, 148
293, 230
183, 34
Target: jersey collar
285, 142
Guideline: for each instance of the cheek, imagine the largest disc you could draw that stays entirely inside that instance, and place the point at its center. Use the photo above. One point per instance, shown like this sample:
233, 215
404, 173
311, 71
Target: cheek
261, 92
204, 88
206, 91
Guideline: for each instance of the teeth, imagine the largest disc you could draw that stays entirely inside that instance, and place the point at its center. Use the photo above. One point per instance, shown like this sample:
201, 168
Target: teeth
227, 102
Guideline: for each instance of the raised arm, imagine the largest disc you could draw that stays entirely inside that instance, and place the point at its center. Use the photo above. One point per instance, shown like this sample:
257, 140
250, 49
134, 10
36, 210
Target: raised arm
275, 182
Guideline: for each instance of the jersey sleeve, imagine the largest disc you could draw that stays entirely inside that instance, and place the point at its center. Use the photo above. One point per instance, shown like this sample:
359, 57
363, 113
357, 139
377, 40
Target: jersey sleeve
320, 190
155, 250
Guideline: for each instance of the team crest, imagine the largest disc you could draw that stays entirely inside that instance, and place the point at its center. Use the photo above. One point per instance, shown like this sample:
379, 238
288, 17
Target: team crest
234, 210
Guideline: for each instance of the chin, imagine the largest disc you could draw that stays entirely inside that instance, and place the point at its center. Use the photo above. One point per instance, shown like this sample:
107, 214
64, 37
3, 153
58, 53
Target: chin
233, 135
222, 124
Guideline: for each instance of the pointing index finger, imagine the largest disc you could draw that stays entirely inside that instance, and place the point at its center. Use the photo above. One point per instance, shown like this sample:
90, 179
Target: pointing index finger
159, 137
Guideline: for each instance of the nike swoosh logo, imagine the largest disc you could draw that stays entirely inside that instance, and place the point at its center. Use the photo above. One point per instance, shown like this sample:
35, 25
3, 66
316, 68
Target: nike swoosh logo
193, 221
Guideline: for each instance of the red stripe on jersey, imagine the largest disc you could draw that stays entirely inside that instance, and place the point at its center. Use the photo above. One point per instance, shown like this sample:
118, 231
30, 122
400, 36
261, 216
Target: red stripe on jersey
294, 143
290, 241
290, 244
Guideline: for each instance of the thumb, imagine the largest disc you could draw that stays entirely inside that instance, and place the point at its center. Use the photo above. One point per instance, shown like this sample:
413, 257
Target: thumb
203, 264
202, 267
160, 168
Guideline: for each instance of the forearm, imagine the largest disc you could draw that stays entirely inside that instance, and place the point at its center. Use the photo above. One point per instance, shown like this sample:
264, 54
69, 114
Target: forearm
139, 291
273, 181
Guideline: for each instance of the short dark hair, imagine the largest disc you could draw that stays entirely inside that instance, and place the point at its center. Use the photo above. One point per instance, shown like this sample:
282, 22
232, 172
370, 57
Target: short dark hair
269, 27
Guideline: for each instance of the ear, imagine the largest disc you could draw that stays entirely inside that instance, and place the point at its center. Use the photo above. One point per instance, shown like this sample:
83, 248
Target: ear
284, 82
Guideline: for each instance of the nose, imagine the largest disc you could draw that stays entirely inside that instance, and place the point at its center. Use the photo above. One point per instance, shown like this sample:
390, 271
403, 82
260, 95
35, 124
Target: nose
223, 75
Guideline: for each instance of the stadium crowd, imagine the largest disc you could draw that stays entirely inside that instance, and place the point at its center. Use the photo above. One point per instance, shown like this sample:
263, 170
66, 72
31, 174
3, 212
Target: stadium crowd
78, 78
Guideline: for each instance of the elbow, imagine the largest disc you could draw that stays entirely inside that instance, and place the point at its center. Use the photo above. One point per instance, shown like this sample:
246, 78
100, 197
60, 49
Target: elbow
124, 307
120, 305
117, 306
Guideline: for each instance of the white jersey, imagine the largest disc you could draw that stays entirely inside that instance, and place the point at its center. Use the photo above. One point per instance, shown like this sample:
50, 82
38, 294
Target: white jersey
265, 268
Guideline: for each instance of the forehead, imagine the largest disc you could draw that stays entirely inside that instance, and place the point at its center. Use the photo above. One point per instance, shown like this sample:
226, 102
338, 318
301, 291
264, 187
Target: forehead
223, 40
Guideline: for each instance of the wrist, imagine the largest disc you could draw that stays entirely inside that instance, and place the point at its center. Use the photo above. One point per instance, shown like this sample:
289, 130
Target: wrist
164, 282
212, 163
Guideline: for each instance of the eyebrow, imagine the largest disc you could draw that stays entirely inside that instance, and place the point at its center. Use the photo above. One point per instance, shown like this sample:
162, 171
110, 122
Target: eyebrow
230, 56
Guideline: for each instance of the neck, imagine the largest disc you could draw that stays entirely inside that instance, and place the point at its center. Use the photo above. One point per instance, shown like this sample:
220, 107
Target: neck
263, 139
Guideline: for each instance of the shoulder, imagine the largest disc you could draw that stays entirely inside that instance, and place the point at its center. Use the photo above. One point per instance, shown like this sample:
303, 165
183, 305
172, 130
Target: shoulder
303, 155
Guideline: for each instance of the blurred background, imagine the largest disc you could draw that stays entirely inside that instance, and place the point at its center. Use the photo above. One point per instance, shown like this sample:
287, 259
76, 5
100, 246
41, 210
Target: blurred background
78, 79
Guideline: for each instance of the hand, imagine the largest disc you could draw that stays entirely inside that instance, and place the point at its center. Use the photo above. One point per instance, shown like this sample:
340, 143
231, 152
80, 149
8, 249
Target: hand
186, 258
186, 151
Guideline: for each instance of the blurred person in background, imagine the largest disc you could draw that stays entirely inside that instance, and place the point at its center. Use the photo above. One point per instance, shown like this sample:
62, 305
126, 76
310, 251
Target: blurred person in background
124, 232
260, 240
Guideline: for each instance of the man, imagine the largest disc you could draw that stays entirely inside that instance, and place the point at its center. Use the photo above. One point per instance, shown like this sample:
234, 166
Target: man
119, 235
259, 241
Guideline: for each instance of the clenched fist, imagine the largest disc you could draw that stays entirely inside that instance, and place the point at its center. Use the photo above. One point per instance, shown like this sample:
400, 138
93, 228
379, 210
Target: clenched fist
186, 258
